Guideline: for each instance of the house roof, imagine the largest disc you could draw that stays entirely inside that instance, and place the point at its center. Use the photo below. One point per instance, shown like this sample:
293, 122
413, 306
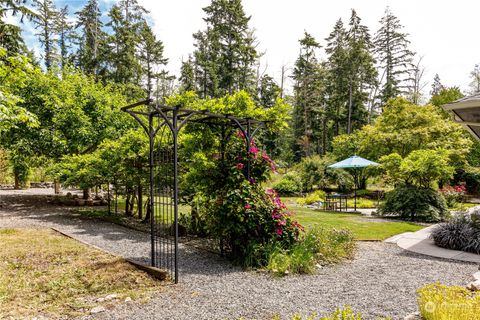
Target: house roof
466, 111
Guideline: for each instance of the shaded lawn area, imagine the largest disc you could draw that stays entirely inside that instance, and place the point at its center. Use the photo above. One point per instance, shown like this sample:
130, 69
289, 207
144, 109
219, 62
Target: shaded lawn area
357, 223
45, 273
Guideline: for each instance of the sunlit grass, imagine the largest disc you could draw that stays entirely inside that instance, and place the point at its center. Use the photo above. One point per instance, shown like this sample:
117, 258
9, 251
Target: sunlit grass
362, 228
44, 273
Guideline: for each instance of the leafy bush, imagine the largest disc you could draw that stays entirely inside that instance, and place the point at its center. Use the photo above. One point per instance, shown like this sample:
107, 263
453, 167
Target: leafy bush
461, 233
470, 176
237, 211
319, 246
440, 302
289, 184
421, 168
316, 196
313, 172
339, 314
415, 204
453, 194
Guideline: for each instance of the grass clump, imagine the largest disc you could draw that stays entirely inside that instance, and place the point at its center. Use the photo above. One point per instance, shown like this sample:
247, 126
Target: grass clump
340, 314
44, 273
440, 302
319, 246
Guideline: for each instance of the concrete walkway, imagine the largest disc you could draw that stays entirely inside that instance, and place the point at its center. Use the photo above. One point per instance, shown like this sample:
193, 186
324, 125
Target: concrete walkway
420, 242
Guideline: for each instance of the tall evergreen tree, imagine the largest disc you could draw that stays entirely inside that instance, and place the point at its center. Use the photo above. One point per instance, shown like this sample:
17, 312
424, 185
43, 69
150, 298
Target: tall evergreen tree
126, 21
10, 34
394, 56
225, 53
337, 86
64, 29
437, 85
187, 75
92, 38
150, 54
308, 96
45, 22
362, 74
268, 91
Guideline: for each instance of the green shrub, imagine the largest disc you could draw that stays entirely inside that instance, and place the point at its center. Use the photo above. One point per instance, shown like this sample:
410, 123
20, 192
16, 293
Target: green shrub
290, 184
363, 203
319, 246
314, 173
316, 196
461, 233
339, 314
415, 204
440, 302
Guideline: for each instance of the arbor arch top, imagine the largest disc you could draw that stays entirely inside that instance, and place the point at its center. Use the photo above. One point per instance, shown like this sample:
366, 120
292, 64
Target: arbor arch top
163, 168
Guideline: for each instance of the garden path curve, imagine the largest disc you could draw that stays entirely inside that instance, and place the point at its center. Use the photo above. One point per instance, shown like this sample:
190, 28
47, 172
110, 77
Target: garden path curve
380, 281
420, 242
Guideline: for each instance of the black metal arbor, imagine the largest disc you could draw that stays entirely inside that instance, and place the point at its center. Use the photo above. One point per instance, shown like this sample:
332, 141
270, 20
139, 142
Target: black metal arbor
162, 125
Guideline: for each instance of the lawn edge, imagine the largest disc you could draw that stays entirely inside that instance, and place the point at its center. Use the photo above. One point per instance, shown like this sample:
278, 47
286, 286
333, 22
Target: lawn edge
157, 273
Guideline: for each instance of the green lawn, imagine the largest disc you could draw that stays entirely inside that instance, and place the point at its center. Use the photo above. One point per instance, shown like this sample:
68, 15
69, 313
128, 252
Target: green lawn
361, 228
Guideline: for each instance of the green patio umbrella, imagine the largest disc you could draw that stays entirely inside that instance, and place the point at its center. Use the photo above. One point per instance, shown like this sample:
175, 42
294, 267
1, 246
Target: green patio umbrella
354, 163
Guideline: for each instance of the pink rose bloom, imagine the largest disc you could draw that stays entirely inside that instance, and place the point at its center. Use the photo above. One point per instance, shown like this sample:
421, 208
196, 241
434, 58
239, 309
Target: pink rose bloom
248, 206
240, 166
279, 231
254, 150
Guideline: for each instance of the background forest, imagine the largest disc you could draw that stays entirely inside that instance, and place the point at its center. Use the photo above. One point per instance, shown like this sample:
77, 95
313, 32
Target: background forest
61, 113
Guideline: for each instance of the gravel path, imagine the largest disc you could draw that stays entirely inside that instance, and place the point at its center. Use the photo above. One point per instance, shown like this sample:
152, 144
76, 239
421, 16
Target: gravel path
380, 281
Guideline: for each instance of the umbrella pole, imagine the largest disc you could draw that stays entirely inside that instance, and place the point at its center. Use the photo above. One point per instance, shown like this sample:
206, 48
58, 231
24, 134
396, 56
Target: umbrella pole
355, 190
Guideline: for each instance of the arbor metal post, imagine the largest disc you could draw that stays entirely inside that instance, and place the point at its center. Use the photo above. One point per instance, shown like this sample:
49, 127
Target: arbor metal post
152, 186
175, 178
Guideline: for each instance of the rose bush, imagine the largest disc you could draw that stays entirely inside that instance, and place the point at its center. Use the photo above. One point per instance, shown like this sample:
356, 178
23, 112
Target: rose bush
246, 219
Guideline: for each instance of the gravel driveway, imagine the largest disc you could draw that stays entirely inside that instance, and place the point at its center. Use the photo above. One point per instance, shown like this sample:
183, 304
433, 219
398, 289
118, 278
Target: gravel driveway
380, 281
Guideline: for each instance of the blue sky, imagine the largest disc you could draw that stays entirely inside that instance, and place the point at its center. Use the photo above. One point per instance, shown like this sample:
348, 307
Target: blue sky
443, 32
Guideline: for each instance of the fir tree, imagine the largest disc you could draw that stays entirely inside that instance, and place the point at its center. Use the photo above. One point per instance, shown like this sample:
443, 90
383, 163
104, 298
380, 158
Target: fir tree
437, 85
92, 38
225, 53
187, 75
10, 35
394, 56
64, 30
268, 91
150, 55
308, 95
126, 20
45, 22
337, 77
362, 74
